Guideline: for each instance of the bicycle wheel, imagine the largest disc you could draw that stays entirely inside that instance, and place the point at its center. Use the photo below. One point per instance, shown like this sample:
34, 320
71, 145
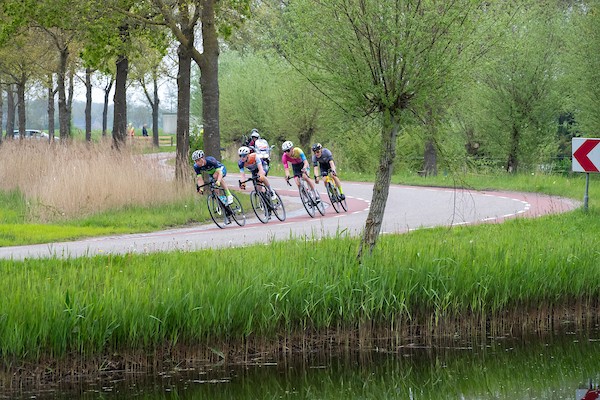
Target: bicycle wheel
278, 208
343, 202
318, 203
237, 211
260, 208
333, 196
307, 201
217, 211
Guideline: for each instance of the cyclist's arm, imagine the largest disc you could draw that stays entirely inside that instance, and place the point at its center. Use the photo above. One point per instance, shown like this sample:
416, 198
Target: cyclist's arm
199, 182
286, 167
261, 170
305, 162
306, 167
332, 167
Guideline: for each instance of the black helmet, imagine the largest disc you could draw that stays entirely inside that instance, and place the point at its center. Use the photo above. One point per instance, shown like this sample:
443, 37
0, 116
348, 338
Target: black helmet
317, 147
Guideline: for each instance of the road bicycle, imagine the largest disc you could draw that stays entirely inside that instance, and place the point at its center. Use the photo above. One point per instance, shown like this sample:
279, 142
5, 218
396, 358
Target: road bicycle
310, 198
334, 193
261, 201
221, 212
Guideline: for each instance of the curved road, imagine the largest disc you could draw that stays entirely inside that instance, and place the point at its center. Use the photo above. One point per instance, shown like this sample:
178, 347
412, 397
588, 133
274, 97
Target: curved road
408, 208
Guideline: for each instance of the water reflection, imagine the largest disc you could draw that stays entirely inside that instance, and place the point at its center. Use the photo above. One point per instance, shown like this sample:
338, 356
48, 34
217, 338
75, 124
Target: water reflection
549, 368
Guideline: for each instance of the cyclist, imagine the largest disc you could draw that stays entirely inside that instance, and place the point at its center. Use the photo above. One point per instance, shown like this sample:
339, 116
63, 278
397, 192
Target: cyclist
254, 136
296, 157
323, 159
257, 165
210, 165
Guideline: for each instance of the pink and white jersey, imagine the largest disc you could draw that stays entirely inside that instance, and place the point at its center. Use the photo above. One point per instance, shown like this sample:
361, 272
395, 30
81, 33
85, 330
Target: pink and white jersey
295, 156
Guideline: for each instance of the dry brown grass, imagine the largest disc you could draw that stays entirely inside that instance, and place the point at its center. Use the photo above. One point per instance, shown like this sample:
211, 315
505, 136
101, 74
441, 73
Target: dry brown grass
61, 181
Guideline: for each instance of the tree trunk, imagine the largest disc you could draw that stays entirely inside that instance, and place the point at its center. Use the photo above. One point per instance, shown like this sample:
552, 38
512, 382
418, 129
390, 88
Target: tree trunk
183, 114
381, 188
63, 115
88, 104
22, 114
1, 111
70, 102
51, 109
209, 80
10, 111
120, 102
513, 161
155, 110
105, 108
430, 159
305, 138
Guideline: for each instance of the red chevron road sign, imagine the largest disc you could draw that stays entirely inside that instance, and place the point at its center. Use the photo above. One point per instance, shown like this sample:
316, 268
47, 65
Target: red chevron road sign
586, 155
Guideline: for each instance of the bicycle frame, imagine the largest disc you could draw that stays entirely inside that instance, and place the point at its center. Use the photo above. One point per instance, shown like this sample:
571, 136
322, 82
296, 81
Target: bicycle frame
219, 210
333, 193
309, 201
262, 204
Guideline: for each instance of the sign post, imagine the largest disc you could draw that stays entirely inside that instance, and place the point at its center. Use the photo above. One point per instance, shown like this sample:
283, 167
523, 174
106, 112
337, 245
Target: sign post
586, 158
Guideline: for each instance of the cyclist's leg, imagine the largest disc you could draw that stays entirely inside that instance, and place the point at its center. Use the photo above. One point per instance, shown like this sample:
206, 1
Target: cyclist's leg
308, 179
219, 176
297, 169
327, 168
311, 187
338, 183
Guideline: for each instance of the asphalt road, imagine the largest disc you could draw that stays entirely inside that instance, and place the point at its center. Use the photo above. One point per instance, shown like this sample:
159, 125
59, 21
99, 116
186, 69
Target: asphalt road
408, 208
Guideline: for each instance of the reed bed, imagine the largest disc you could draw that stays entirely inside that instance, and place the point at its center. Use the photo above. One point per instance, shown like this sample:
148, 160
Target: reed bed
66, 181
518, 277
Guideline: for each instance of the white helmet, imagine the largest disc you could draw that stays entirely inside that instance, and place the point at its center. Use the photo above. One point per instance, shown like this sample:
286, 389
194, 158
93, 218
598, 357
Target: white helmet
197, 154
287, 145
254, 133
243, 151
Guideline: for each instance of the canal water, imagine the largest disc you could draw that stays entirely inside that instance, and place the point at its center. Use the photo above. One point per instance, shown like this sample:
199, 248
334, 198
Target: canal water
550, 367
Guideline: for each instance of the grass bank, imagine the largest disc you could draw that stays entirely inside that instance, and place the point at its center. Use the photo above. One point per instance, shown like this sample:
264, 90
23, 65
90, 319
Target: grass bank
521, 276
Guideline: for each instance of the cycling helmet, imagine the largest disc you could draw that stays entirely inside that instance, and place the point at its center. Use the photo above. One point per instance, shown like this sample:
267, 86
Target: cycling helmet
287, 145
197, 154
254, 133
243, 151
317, 147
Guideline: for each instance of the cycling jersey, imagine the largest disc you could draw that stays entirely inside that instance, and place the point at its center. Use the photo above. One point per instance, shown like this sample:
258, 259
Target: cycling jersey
323, 159
295, 156
210, 167
252, 164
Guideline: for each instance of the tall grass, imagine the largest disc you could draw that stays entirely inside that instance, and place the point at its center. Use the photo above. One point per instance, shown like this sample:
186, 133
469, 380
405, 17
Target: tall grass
62, 182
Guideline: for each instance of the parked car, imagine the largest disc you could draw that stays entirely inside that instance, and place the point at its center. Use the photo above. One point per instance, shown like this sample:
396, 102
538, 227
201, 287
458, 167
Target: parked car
34, 134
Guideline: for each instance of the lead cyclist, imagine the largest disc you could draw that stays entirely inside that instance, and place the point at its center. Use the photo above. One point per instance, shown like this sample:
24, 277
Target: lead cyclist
322, 159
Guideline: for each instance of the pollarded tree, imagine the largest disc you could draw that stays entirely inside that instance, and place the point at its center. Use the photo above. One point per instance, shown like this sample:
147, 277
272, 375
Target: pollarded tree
382, 58
517, 89
583, 67
263, 91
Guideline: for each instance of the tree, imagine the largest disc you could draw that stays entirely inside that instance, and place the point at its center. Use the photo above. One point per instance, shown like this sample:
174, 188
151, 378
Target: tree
22, 61
182, 18
147, 72
583, 67
263, 91
382, 59
517, 98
